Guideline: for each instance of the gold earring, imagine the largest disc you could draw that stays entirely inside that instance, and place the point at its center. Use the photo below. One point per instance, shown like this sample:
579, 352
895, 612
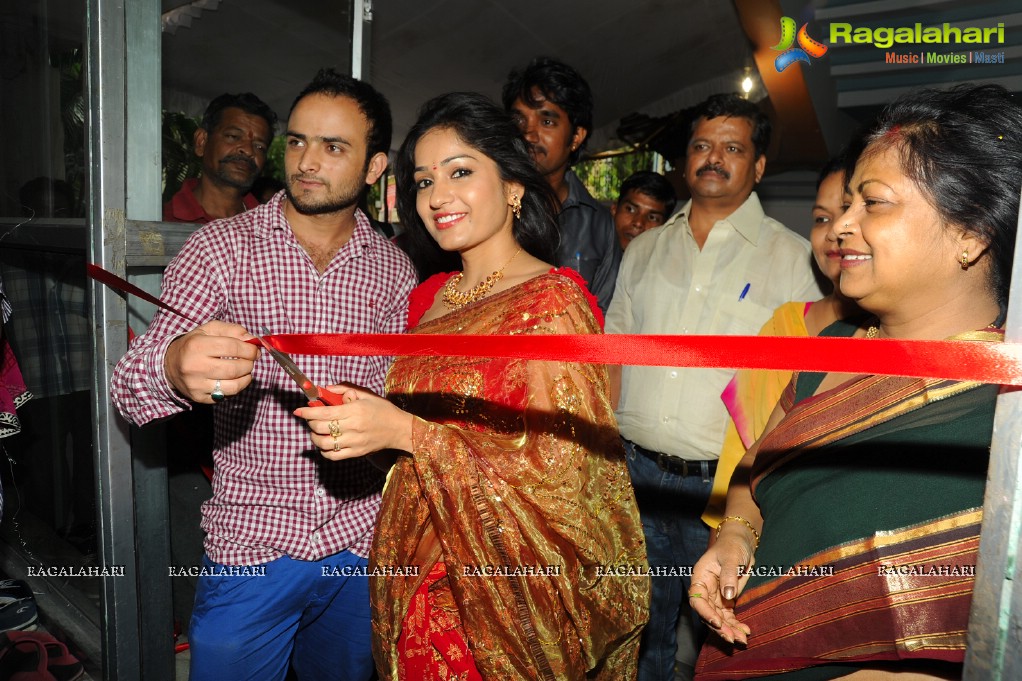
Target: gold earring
965, 260
516, 206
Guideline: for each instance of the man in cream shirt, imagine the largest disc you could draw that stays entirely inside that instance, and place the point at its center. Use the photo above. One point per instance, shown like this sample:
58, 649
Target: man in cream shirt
719, 266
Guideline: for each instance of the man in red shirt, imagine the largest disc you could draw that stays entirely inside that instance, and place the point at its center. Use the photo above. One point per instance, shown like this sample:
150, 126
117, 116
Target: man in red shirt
232, 140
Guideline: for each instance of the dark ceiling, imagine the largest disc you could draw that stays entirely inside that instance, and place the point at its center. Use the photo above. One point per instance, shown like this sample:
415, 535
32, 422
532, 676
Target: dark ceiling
651, 55
654, 57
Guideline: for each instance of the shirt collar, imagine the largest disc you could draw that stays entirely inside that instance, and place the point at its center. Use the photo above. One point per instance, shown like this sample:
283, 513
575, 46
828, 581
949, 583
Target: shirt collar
363, 238
186, 208
577, 192
747, 220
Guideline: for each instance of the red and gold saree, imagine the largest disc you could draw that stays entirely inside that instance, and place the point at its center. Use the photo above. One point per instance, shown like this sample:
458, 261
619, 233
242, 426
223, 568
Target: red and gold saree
518, 485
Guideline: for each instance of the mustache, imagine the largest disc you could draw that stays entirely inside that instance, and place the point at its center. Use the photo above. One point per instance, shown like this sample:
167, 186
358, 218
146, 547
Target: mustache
305, 176
537, 149
231, 158
714, 168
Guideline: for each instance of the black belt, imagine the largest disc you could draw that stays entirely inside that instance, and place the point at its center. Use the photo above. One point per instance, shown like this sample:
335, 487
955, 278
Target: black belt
677, 465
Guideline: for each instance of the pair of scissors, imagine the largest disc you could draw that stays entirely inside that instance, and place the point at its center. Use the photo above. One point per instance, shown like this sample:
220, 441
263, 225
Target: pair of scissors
318, 397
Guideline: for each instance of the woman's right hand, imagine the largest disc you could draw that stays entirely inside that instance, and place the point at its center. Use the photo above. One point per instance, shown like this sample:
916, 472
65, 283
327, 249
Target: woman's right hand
719, 577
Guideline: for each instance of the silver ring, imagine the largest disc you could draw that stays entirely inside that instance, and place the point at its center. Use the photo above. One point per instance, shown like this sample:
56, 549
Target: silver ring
217, 393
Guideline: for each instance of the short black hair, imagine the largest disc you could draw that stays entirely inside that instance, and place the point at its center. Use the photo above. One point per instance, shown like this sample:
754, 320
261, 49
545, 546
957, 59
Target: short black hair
835, 164
560, 84
484, 126
963, 148
653, 185
246, 101
731, 105
373, 105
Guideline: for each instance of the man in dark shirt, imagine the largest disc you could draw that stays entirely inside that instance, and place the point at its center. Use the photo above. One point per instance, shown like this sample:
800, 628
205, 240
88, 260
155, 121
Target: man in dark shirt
554, 109
232, 140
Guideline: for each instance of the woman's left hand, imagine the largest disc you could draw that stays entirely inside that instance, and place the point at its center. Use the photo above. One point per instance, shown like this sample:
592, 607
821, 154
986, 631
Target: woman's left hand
364, 423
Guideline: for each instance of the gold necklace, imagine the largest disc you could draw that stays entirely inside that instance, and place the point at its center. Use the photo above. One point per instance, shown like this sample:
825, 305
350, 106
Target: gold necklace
453, 298
874, 331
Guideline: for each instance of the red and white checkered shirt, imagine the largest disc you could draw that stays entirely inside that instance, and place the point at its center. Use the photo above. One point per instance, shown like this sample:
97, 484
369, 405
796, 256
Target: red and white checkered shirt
273, 493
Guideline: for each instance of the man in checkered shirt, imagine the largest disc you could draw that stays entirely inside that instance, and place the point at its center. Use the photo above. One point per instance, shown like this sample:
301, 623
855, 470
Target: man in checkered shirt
305, 262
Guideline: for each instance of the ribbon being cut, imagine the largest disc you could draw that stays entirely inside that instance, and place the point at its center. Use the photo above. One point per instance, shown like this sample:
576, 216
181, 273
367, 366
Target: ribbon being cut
955, 360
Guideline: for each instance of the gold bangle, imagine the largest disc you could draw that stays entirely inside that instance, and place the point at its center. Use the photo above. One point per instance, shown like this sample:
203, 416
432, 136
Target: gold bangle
740, 519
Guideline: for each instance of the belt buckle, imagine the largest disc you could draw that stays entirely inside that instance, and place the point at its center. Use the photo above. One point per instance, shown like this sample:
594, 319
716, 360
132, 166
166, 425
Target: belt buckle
669, 464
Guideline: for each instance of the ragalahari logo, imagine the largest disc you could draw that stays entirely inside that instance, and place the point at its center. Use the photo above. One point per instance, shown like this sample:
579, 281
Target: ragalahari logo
807, 47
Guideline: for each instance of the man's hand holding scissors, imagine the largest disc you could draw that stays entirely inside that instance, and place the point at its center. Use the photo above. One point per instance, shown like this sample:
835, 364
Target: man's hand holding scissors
211, 362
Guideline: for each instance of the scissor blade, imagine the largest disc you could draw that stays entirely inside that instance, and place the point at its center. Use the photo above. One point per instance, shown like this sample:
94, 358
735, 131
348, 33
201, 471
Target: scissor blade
289, 367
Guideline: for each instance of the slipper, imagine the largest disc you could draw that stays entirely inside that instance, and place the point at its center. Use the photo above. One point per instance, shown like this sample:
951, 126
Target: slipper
24, 660
18, 608
61, 664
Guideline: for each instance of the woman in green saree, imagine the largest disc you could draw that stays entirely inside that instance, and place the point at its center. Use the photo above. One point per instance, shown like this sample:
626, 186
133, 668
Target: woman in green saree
867, 491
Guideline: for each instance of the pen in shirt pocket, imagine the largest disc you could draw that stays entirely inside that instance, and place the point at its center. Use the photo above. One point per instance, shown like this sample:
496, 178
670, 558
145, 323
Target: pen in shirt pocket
745, 291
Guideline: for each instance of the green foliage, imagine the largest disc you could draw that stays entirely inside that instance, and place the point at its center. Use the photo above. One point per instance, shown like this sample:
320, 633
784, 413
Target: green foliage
72, 119
275, 158
373, 200
179, 159
603, 176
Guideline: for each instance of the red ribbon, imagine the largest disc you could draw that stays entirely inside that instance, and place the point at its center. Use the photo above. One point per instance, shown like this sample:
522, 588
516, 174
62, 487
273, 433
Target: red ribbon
955, 360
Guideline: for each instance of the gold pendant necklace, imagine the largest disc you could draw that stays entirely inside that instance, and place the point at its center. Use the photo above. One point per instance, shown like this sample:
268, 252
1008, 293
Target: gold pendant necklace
453, 298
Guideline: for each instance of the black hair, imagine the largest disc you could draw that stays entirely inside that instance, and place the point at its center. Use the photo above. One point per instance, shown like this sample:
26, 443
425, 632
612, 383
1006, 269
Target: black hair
246, 101
653, 185
558, 83
731, 105
835, 164
484, 126
963, 148
373, 105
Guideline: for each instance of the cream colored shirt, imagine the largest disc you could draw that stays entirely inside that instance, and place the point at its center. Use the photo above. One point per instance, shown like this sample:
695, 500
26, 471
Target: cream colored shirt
749, 265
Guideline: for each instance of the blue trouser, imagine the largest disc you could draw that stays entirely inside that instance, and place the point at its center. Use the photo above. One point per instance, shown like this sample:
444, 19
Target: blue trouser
250, 628
669, 506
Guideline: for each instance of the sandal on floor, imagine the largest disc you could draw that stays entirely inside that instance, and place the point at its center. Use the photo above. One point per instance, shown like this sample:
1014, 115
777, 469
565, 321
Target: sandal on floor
24, 660
61, 665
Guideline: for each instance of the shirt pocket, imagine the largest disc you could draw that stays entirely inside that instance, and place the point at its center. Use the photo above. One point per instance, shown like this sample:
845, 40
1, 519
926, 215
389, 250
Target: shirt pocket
740, 318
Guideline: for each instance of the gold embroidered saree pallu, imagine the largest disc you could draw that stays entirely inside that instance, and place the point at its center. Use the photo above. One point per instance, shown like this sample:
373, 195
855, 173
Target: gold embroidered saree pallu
872, 495
518, 484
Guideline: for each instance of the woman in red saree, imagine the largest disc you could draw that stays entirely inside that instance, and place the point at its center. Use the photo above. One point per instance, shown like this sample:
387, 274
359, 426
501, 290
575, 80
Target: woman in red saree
509, 497
867, 491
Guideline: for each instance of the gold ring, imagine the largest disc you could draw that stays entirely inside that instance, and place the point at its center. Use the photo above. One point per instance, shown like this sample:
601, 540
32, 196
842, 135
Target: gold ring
695, 595
337, 444
335, 428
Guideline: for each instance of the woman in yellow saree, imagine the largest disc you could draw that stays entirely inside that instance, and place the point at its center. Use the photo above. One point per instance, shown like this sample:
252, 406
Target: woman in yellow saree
509, 496
752, 394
